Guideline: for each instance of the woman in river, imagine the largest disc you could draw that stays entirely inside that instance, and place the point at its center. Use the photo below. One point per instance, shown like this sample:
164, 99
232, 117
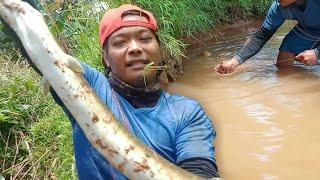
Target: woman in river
301, 43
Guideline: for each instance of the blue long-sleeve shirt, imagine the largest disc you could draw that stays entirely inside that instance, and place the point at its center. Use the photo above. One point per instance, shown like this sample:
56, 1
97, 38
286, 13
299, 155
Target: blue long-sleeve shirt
308, 26
176, 127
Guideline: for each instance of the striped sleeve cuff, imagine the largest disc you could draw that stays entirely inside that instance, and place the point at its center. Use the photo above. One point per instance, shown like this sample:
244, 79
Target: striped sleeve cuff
239, 59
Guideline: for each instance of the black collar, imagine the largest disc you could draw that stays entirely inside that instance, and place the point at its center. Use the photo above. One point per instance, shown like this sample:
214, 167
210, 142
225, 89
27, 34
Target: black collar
137, 97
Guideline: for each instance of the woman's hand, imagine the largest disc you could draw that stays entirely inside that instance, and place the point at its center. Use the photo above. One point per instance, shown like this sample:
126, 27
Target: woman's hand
308, 57
226, 67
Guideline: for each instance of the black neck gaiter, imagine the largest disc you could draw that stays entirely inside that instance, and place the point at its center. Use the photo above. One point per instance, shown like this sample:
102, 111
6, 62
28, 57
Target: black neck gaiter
137, 97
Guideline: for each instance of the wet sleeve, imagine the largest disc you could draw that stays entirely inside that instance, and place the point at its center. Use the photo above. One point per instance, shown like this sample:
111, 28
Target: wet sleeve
195, 137
201, 167
257, 40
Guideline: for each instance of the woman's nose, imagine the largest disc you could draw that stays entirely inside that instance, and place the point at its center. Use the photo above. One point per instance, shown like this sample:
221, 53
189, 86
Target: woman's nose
134, 47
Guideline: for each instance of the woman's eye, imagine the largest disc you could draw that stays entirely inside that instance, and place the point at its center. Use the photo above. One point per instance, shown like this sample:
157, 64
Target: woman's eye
146, 39
118, 43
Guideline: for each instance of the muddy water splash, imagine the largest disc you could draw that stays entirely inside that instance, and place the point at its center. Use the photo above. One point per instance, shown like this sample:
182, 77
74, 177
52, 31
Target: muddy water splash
267, 119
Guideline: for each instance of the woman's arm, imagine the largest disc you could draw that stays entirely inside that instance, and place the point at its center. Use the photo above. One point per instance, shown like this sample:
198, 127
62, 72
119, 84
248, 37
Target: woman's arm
272, 22
195, 143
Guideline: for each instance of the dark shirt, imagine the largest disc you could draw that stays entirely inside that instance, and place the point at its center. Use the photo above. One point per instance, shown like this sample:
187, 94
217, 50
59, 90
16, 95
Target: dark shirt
307, 22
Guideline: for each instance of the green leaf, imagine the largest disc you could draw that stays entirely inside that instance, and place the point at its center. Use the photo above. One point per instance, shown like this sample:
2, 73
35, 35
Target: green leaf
3, 117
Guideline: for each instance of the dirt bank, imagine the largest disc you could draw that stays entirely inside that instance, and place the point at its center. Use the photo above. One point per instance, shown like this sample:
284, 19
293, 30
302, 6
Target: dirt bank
199, 44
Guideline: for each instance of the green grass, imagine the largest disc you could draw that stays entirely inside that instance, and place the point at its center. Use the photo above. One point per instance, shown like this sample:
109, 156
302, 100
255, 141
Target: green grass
35, 136
76, 27
53, 134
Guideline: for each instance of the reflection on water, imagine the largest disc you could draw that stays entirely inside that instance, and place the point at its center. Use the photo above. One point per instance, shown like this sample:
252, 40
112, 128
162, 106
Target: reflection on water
267, 119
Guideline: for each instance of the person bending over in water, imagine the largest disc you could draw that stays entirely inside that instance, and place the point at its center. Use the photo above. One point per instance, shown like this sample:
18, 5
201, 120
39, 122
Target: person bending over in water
301, 43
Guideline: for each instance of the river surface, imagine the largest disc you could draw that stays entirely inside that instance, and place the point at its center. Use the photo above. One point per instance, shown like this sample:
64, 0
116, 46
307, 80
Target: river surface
267, 119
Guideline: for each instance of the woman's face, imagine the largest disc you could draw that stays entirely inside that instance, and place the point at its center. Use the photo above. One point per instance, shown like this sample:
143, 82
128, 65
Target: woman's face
130, 49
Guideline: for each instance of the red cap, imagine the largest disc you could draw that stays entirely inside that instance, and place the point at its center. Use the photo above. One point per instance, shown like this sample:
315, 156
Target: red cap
112, 21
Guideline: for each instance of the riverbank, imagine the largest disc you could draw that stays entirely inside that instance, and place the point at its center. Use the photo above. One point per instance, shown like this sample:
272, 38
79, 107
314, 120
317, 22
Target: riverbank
198, 45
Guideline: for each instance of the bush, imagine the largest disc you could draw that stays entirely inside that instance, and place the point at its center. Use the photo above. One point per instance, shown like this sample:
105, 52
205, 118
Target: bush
35, 137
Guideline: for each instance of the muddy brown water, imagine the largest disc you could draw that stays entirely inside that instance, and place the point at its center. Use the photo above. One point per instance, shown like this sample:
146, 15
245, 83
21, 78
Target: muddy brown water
267, 119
